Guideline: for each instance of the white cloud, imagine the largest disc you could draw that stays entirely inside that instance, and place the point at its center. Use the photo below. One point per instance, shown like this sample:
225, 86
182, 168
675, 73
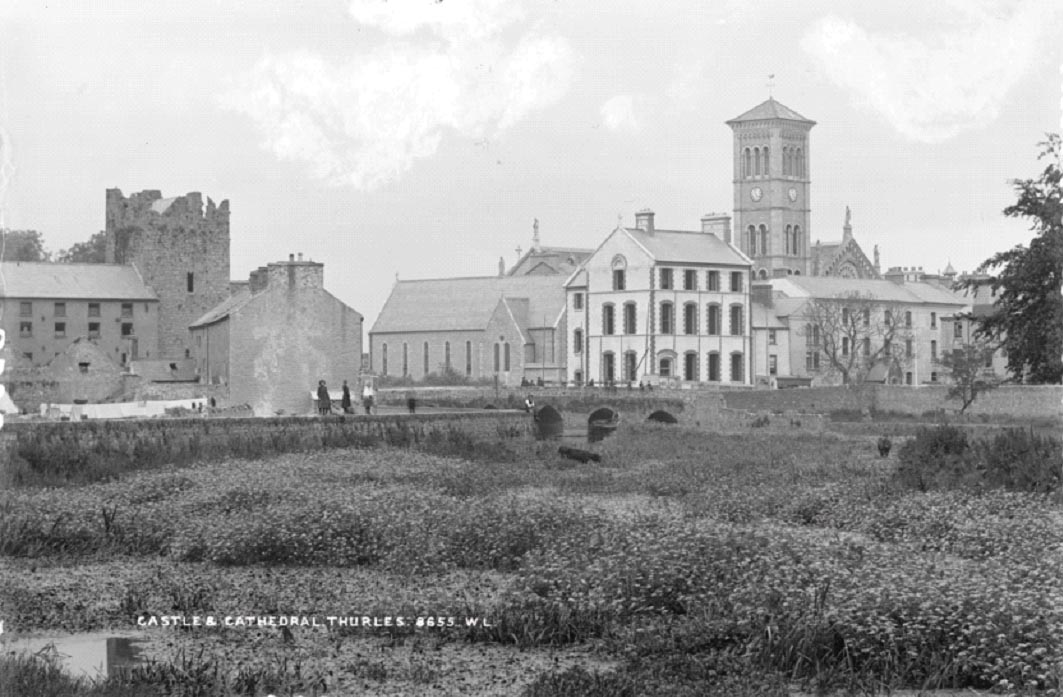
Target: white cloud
618, 114
687, 85
365, 121
933, 87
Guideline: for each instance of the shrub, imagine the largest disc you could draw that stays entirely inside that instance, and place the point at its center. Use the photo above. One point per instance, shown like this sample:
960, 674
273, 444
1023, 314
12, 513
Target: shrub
934, 458
1020, 460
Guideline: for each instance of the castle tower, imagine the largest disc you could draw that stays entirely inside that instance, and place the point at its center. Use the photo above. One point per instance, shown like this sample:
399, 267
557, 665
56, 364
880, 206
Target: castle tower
180, 250
772, 188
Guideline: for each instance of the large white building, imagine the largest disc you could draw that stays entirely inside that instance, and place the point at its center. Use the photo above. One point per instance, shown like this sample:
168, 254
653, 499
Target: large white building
653, 305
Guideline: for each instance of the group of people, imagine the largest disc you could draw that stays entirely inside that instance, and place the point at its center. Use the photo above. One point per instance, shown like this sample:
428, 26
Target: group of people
324, 400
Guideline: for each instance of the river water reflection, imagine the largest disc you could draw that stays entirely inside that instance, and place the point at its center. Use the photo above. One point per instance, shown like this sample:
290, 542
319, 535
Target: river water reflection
91, 655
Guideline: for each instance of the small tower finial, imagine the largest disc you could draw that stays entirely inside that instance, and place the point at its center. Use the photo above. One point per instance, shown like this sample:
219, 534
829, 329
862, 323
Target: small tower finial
620, 220
771, 84
535, 235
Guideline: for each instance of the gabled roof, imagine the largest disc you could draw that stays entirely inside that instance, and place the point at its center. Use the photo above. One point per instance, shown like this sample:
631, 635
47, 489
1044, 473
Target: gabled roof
561, 260
223, 309
770, 109
29, 280
466, 304
680, 246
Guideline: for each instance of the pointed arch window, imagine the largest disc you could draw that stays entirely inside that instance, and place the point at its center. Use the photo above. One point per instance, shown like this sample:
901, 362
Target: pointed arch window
747, 169
797, 240
789, 239
800, 163
767, 167
763, 239
756, 159
752, 240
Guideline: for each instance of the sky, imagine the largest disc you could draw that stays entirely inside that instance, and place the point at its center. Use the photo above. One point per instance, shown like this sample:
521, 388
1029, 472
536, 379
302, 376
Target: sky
422, 138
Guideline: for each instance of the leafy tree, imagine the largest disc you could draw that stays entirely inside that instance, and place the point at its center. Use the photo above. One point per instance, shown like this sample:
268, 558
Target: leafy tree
967, 371
1027, 319
850, 334
24, 245
92, 252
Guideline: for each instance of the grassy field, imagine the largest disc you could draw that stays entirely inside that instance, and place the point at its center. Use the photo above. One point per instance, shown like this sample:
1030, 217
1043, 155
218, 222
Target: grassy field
684, 563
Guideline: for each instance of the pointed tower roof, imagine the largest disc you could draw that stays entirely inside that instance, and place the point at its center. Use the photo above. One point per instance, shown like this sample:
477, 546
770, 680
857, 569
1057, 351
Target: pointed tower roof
771, 109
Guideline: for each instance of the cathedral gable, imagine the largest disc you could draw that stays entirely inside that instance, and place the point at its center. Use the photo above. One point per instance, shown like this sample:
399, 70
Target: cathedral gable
849, 261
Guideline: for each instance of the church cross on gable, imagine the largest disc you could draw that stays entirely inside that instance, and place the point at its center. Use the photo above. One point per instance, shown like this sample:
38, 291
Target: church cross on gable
844, 259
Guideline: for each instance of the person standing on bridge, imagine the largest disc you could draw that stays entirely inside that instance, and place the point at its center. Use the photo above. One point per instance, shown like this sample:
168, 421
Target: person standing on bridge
324, 402
345, 403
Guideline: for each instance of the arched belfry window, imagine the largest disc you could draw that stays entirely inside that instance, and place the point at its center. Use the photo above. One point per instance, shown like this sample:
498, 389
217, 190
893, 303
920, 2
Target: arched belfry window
746, 164
797, 239
756, 159
751, 234
789, 239
786, 162
767, 169
763, 240
800, 163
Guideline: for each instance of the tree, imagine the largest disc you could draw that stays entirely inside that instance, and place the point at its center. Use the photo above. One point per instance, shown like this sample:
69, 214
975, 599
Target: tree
853, 333
970, 372
24, 245
92, 252
1027, 317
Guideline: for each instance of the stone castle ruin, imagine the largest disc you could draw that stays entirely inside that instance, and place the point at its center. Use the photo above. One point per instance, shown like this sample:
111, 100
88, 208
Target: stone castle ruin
180, 249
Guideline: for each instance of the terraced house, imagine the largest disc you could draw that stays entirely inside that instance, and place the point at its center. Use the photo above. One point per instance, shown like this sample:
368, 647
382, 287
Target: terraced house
662, 306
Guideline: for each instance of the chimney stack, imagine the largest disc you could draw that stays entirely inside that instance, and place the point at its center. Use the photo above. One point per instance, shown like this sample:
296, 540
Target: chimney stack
718, 224
291, 257
644, 220
300, 256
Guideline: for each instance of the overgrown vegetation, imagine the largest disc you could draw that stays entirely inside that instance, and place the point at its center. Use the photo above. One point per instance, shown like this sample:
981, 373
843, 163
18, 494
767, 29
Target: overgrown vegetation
698, 564
1015, 459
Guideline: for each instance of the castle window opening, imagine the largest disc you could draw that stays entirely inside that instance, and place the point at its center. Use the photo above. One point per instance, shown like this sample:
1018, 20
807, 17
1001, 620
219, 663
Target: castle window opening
25, 329
83, 367
60, 329
577, 341
127, 329
127, 309
60, 309
190, 280
94, 330
94, 309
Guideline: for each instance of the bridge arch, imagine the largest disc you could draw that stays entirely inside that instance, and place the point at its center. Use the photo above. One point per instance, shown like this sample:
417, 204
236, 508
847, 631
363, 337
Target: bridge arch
662, 417
549, 423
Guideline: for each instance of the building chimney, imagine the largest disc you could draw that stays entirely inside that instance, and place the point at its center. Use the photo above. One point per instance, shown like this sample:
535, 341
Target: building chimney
644, 220
300, 257
718, 224
501, 266
291, 257
259, 279
895, 274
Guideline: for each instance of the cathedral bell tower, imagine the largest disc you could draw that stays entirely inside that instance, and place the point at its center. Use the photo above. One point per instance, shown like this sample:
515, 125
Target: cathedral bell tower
772, 189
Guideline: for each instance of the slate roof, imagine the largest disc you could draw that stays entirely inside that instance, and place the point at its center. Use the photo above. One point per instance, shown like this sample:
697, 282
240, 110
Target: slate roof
24, 279
680, 246
223, 309
770, 109
888, 291
466, 304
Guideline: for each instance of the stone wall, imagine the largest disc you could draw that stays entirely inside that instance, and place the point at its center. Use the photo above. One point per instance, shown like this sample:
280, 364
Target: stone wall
1019, 401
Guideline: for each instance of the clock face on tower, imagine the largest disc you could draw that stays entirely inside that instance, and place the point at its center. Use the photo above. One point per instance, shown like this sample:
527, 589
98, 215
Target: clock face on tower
756, 193
792, 193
